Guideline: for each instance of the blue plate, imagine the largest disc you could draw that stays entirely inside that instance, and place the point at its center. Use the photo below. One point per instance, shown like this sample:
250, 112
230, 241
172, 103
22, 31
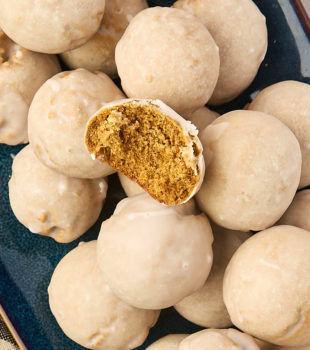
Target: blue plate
27, 261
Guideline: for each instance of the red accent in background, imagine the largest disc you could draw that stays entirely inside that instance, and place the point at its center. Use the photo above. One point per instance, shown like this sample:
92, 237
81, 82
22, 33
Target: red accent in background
303, 15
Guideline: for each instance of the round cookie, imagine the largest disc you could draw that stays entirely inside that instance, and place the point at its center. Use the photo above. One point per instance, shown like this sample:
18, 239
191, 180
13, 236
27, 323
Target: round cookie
253, 164
51, 204
87, 310
297, 213
50, 26
130, 187
22, 72
202, 117
151, 144
178, 60
169, 342
223, 339
58, 116
267, 286
99, 51
239, 29
206, 306
289, 101
147, 255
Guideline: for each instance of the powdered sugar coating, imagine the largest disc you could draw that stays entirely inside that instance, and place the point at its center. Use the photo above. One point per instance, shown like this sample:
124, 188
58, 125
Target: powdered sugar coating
51, 204
51, 26
178, 60
58, 116
22, 72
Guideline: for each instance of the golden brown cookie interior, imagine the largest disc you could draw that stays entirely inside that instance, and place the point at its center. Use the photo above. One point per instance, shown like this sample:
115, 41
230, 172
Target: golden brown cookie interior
149, 147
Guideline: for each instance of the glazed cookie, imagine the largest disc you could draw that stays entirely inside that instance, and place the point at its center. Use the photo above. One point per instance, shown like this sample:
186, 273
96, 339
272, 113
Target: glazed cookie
206, 306
58, 116
289, 101
22, 72
202, 117
253, 164
178, 60
297, 213
239, 29
51, 204
169, 342
99, 52
147, 255
50, 26
129, 186
222, 339
151, 144
86, 309
267, 286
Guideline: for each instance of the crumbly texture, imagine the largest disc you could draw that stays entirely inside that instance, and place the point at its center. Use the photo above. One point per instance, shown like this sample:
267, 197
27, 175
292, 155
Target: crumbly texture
148, 147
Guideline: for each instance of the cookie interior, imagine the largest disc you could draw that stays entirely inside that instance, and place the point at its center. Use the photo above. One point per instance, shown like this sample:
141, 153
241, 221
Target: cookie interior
149, 147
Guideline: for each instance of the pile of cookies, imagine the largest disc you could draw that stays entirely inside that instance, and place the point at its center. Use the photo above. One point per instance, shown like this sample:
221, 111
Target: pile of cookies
212, 224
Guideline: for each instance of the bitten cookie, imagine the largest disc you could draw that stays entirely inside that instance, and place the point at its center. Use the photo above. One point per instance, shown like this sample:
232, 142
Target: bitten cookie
151, 144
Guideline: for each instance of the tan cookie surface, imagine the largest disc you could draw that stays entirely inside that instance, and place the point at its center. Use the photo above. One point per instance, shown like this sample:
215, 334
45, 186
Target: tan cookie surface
87, 310
51, 26
202, 117
58, 116
239, 29
267, 285
178, 60
99, 52
289, 101
169, 342
221, 339
147, 255
206, 306
51, 204
151, 144
253, 164
22, 72
297, 213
